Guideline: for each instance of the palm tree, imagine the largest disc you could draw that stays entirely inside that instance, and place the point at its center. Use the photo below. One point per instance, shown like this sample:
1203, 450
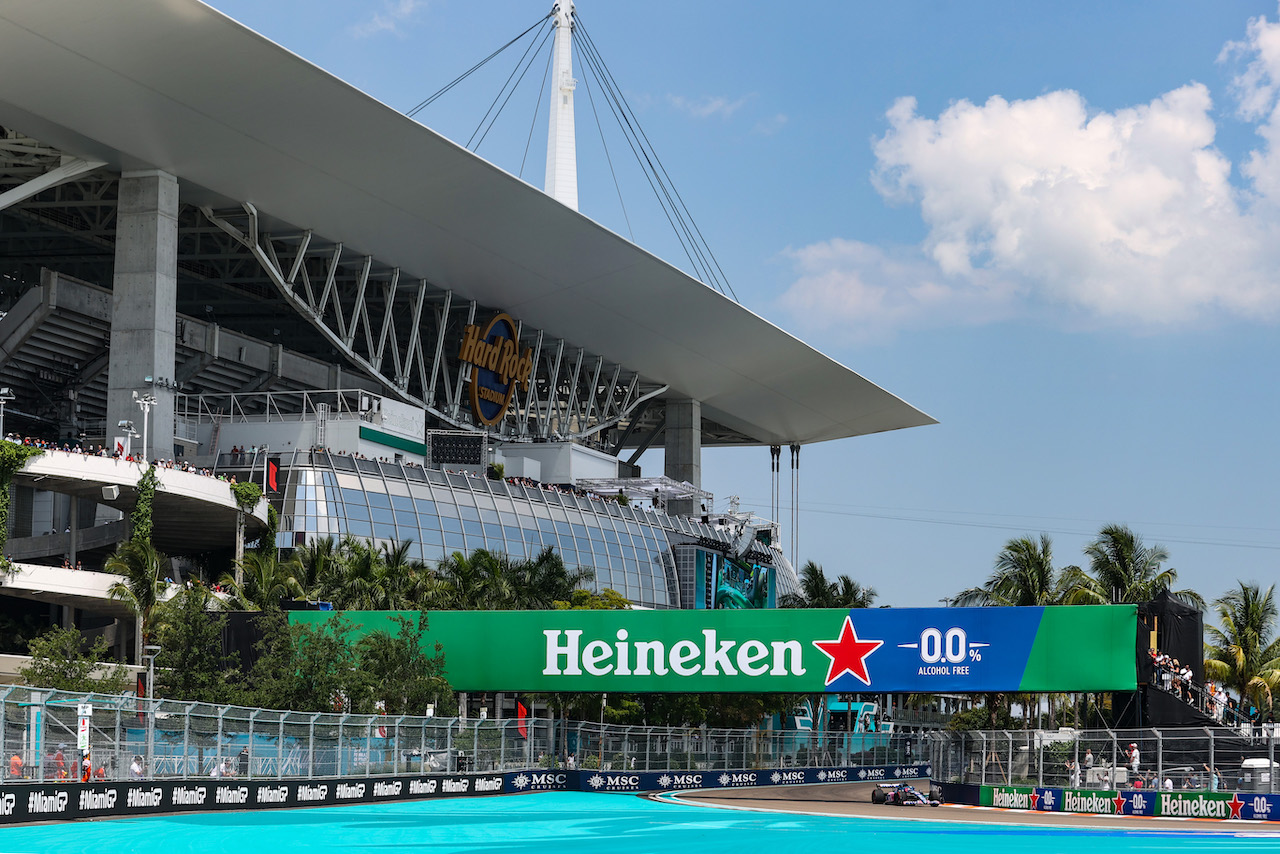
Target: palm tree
143, 586
409, 580
1024, 575
543, 580
818, 592
264, 581
480, 581
852, 594
1243, 654
314, 559
362, 580
1122, 570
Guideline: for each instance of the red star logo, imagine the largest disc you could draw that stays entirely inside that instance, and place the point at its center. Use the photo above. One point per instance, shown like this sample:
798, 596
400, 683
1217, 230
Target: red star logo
1118, 800
848, 654
1035, 801
1235, 803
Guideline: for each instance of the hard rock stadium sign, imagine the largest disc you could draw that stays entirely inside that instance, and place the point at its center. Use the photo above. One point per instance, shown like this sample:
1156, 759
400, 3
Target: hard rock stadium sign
498, 364
1083, 648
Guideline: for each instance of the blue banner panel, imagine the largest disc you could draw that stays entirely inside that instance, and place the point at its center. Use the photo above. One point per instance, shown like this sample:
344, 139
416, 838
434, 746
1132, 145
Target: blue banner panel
1047, 800
1139, 802
650, 781
1258, 807
541, 780
931, 650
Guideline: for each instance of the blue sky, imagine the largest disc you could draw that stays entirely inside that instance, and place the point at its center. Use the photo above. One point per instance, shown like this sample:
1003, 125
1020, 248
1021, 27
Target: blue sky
1053, 227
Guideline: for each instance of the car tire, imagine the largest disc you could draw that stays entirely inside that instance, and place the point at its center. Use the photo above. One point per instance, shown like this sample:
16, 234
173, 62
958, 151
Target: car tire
935, 793
877, 796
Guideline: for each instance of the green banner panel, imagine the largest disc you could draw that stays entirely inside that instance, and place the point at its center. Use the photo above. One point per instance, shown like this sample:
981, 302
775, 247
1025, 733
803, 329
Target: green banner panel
888, 650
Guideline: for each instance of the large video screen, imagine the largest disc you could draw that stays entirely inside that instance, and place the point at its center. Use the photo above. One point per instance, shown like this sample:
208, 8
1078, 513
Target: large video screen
726, 584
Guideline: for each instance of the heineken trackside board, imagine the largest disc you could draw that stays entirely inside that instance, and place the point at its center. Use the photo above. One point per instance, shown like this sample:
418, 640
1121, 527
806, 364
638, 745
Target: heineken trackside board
891, 650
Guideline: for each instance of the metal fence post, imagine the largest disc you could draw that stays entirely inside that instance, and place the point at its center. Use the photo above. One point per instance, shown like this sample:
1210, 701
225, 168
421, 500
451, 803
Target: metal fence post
252, 715
450, 763
1040, 758
1008, 771
502, 744
1271, 758
341, 723
186, 739
983, 761
311, 745
221, 729
422, 747
1115, 753
1159, 760
116, 764
1213, 766
280, 748
397, 752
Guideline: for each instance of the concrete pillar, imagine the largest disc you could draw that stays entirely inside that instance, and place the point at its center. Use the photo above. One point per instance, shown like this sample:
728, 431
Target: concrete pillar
683, 450
75, 530
143, 307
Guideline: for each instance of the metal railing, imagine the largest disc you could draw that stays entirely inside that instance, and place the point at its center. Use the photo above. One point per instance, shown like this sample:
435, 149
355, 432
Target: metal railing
169, 739
1206, 758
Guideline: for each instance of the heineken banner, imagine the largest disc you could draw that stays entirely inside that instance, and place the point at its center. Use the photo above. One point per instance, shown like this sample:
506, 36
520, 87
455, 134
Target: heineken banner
891, 650
1169, 804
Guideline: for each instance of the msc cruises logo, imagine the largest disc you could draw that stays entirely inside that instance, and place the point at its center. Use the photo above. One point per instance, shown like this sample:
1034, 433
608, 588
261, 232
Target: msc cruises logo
498, 364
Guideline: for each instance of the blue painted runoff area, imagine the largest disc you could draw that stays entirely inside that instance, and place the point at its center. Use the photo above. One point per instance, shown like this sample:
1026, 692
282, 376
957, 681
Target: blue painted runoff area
582, 822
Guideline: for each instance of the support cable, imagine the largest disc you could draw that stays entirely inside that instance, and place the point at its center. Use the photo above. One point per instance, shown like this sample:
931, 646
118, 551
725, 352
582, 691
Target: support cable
537, 106
431, 99
795, 504
505, 101
645, 156
719, 279
600, 130
680, 210
624, 123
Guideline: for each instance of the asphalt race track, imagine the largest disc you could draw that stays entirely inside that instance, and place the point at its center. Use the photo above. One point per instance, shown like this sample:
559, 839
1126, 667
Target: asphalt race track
854, 799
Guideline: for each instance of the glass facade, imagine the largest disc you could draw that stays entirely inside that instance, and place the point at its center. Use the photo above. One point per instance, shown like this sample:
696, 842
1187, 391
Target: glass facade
630, 549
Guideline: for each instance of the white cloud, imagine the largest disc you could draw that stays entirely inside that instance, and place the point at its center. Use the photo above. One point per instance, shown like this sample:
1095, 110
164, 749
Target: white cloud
1126, 217
389, 19
770, 125
707, 106
1257, 91
870, 292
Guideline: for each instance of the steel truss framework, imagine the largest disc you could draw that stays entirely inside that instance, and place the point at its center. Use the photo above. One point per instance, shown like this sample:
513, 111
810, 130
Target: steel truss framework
405, 333
342, 306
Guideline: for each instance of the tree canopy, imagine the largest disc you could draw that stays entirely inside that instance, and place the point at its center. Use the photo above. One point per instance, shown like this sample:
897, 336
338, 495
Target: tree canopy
1024, 575
1124, 570
1242, 652
60, 659
817, 591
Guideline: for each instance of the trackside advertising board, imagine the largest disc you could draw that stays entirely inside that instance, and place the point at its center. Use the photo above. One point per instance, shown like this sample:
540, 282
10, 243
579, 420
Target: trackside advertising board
1172, 804
892, 650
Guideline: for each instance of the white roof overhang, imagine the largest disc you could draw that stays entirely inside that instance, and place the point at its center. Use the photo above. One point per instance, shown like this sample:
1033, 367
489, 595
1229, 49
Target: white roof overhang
178, 86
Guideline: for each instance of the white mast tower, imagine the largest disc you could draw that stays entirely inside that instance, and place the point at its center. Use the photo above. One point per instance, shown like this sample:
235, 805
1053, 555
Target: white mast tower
562, 155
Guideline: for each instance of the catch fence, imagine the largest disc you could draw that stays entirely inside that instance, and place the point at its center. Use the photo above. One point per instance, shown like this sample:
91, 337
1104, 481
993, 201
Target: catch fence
128, 737
1202, 758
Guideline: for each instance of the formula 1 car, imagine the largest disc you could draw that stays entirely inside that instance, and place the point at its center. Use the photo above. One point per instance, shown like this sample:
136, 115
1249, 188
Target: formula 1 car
904, 795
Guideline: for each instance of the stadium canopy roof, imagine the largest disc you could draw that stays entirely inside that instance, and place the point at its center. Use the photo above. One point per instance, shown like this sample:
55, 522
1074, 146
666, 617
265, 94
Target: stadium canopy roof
178, 86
